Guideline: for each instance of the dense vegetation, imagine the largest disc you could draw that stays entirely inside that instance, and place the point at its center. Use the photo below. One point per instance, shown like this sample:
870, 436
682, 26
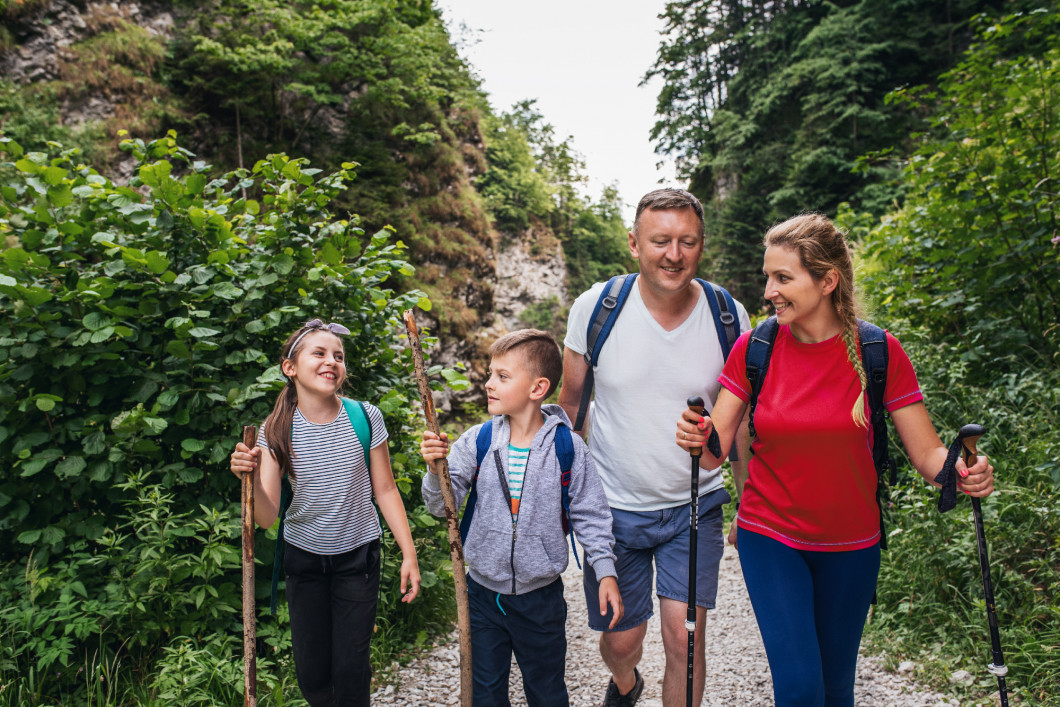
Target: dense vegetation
140, 324
931, 131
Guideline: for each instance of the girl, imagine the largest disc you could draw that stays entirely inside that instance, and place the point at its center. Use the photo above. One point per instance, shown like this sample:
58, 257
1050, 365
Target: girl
808, 525
331, 532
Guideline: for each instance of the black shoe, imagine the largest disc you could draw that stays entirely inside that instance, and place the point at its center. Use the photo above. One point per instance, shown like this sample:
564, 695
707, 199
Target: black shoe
615, 699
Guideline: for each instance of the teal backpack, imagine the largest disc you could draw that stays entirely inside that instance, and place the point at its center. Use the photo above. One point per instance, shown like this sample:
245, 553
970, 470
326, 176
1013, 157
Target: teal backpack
358, 416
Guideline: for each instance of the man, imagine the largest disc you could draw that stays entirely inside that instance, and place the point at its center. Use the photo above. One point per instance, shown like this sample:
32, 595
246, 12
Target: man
663, 348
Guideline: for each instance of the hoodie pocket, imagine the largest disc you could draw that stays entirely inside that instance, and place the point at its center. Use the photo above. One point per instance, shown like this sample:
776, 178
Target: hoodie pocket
490, 553
538, 557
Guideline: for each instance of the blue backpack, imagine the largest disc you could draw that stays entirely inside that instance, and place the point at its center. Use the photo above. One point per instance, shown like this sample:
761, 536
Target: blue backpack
362, 426
874, 358
564, 446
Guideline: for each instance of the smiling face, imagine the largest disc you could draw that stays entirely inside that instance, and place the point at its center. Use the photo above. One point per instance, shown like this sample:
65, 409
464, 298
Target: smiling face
668, 244
319, 365
791, 289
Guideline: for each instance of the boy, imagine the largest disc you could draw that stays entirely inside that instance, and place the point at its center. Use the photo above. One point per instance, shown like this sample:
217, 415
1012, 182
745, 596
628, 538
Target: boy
515, 546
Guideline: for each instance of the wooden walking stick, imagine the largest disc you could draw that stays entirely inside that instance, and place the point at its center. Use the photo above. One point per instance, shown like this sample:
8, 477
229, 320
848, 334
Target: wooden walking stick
452, 521
250, 634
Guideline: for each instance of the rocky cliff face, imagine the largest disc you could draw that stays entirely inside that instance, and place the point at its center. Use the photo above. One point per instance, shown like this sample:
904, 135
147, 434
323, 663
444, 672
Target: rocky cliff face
530, 273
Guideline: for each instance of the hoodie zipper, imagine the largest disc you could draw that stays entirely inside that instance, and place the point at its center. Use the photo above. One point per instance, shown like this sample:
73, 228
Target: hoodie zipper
508, 497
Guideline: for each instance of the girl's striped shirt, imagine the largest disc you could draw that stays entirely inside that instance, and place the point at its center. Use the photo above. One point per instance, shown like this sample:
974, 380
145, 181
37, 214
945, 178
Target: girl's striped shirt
331, 511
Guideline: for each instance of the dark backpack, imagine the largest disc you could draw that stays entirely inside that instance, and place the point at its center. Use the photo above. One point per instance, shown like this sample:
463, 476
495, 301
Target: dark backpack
564, 446
874, 358
362, 426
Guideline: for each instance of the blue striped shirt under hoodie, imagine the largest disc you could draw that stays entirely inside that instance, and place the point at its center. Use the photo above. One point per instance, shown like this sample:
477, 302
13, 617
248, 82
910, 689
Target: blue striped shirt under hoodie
510, 562
331, 511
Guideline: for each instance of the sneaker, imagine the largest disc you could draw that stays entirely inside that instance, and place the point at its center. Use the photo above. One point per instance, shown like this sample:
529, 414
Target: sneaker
614, 698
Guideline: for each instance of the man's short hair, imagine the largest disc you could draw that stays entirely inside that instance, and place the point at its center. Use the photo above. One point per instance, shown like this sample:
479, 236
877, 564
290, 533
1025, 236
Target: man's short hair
538, 349
669, 198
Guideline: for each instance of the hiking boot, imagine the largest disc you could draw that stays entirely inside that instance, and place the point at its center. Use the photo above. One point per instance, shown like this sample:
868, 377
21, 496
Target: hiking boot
614, 698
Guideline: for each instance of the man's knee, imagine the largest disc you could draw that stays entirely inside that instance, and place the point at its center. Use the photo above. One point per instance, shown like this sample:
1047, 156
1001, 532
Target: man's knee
623, 645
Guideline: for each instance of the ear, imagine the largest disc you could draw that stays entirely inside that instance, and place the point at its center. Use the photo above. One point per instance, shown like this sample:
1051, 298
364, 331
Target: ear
539, 389
287, 366
829, 282
633, 249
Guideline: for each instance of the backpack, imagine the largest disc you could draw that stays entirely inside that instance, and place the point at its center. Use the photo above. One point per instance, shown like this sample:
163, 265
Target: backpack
874, 358
610, 303
362, 426
564, 446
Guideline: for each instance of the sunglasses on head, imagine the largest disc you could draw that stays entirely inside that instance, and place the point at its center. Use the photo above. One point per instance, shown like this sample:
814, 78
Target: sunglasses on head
316, 325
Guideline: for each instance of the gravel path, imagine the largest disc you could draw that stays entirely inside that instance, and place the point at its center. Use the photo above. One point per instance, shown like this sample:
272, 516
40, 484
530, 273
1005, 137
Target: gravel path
738, 673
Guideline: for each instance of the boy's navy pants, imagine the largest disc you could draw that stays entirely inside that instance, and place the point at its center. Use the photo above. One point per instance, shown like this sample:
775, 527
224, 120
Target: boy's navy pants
531, 625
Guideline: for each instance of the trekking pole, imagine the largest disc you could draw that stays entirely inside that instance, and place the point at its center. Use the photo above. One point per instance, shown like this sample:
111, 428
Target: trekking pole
456, 548
250, 659
695, 403
968, 436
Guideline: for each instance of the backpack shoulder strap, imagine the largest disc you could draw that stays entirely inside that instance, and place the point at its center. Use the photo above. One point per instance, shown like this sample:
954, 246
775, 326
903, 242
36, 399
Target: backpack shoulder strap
723, 308
610, 303
875, 359
362, 426
483, 440
759, 350
564, 444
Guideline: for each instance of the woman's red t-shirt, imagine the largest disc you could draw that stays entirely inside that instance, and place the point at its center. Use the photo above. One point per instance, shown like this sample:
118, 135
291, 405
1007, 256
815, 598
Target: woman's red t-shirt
812, 483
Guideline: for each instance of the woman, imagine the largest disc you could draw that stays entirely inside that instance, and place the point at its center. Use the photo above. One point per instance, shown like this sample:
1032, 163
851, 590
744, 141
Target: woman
808, 524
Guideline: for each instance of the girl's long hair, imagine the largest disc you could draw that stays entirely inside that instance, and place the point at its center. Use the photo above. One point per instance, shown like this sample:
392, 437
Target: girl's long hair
279, 422
821, 247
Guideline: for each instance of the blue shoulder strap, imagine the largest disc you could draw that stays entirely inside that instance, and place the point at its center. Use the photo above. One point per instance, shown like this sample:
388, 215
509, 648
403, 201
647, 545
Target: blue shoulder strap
612, 298
874, 359
482, 446
723, 308
362, 427
564, 445
759, 349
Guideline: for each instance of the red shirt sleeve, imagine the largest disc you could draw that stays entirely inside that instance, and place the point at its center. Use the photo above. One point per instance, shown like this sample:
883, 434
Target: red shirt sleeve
902, 386
734, 375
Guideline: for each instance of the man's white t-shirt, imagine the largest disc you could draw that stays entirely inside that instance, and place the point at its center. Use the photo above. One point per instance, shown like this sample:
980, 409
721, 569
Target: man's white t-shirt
644, 378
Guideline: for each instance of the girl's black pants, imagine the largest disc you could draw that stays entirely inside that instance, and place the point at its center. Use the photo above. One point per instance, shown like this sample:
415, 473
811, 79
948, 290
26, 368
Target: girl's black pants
332, 600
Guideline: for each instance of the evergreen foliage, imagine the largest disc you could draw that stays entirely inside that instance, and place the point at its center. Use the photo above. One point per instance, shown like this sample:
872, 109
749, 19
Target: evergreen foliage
767, 106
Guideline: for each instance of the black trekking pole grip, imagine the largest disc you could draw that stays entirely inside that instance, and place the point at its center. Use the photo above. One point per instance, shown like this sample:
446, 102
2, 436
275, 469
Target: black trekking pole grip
968, 437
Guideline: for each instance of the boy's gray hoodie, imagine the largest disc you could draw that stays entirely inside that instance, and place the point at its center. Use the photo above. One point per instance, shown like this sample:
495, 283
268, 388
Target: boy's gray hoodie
516, 560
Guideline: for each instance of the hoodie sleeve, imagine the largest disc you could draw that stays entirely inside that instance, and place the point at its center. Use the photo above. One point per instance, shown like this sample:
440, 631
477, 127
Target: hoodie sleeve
590, 513
461, 471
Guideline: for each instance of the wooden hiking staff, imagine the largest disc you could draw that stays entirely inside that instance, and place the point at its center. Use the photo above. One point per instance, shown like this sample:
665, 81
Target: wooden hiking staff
452, 521
250, 633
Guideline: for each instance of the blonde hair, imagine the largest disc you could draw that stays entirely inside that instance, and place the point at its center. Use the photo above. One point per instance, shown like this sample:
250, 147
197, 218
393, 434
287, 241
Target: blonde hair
821, 248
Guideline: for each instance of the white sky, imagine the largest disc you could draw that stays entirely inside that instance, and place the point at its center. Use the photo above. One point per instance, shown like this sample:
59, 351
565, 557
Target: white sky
583, 61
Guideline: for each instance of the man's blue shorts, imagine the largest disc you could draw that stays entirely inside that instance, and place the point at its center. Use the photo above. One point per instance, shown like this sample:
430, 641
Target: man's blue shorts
662, 536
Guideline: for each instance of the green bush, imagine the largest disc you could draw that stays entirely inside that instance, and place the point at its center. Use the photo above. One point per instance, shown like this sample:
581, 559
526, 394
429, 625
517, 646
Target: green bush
140, 326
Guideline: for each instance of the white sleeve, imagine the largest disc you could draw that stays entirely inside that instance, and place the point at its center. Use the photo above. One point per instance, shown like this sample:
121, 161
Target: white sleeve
578, 319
